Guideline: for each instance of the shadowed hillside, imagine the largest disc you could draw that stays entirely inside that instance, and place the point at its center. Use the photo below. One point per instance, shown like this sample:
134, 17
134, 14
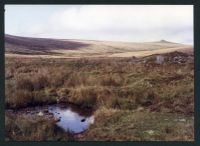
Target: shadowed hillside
61, 48
28, 45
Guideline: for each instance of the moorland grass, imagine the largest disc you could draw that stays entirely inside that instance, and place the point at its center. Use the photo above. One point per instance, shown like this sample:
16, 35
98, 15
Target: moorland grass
24, 128
114, 87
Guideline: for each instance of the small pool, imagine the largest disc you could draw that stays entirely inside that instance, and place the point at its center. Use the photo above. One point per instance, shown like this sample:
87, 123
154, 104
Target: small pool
71, 118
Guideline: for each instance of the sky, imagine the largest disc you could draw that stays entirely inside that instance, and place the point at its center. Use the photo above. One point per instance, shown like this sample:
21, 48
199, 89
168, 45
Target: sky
129, 23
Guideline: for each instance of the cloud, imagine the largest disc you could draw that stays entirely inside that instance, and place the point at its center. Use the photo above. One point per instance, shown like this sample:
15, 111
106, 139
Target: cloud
119, 22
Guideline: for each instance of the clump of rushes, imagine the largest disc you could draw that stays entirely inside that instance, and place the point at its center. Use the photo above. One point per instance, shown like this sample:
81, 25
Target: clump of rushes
19, 98
85, 96
24, 83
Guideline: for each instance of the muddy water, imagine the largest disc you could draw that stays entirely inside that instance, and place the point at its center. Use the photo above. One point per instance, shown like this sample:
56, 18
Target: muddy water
71, 119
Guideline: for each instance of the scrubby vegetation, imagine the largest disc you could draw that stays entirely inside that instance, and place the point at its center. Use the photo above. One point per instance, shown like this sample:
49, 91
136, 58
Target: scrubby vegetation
118, 85
24, 128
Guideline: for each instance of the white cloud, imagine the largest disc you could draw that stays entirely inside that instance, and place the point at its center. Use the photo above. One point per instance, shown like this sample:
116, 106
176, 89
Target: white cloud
119, 22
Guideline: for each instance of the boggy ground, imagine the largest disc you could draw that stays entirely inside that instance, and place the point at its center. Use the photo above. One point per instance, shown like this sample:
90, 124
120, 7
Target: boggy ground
150, 98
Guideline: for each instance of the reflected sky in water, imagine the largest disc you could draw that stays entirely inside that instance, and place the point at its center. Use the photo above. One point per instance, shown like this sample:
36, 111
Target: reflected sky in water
71, 120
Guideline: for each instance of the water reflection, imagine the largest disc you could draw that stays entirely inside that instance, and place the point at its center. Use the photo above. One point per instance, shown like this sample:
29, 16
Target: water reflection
71, 118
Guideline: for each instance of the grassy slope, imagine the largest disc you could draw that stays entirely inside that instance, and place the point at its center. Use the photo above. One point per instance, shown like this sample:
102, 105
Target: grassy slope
125, 95
48, 48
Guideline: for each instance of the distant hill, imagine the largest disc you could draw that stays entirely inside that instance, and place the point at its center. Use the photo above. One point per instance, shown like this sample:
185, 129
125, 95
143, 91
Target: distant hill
29, 47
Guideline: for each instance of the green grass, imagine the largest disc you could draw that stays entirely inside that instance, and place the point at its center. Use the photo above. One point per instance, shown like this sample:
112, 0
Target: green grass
120, 125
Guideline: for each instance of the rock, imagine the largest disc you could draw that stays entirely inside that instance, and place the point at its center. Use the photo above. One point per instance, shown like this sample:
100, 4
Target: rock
83, 120
150, 132
159, 59
13, 132
140, 109
79, 136
91, 120
182, 120
40, 114
57, 100
57, 119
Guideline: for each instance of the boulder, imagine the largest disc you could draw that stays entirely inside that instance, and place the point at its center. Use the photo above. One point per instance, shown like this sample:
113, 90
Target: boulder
40, 114
160, 59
